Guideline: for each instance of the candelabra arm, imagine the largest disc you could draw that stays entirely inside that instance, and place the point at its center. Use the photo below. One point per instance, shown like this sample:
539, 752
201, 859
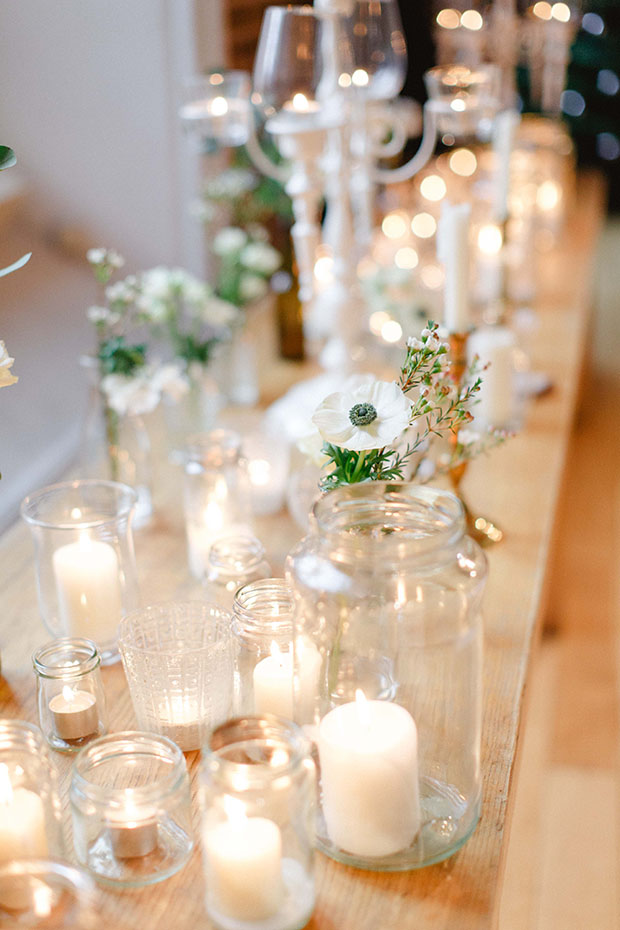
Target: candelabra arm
427, 147
260, 159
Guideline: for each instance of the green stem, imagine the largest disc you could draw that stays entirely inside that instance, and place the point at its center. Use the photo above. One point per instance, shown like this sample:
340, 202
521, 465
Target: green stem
112, 437
358, 467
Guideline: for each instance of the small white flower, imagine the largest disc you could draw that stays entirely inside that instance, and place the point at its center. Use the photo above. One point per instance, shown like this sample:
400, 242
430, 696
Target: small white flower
122, 292
252, 287
153, 310
468, 437
261, 257
114, 259
130, 395
170, 380
414, 343
102, 315
368, 417
219, 312
6, 378
156, 283
230, 239
95, 256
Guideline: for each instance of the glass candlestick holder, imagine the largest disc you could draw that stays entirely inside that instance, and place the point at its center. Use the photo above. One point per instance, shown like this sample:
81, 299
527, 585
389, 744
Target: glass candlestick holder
130, 805
216, 494
46, 894
30, 825
257, 795
178, 659
233, 562
84, 558
72, 709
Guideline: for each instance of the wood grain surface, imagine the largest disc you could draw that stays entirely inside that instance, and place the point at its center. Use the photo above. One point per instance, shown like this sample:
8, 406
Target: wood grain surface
518, 487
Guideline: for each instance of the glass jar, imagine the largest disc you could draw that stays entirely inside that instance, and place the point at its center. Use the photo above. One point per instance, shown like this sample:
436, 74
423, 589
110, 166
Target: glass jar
257, 794
234, 561
30, 826
130, 805
42, 894
216, 494
389, 591
72, 709
85, 562
263, 626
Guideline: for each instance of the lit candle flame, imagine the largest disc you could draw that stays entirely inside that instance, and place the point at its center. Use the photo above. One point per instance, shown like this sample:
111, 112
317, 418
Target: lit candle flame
6, 788
361, 703
68, 694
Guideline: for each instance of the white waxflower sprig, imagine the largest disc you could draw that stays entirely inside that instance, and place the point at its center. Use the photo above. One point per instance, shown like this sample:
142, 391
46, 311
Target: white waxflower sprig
364, 429
6, 362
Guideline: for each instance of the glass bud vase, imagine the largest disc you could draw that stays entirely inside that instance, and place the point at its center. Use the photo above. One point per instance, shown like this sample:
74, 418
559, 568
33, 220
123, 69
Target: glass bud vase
388, 592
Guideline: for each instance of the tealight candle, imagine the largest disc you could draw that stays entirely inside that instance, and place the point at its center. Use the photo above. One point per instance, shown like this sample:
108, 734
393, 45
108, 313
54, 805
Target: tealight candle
369, 777
88, 587
244, 866
74, 713
22, 821
132, 833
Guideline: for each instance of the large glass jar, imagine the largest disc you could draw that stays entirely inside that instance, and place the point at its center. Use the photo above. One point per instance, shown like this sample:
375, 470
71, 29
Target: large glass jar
388, 591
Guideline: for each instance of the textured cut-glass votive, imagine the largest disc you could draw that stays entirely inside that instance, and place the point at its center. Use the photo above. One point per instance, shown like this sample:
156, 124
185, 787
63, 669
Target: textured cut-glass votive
84, 557
178, 659
46, 894
130, 803
72, 708
257, 796
30, 825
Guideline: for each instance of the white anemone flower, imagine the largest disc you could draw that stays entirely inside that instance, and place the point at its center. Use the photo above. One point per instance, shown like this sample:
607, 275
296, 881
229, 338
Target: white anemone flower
370, 416
311, 446
6, 378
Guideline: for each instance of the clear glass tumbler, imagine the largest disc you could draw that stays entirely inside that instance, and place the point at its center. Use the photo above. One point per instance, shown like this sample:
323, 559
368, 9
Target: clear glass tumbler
389, 595
258, 796
85, 562
178, 659
30, 825
46, 894
130, 804
70, 695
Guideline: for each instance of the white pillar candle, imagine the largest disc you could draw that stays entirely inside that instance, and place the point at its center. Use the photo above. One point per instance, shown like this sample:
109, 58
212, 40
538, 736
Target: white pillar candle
22, 821
453, 252
244, 868
504, 130
74, 713
273, 684
369, 777
89, 589
495, 347
276, 687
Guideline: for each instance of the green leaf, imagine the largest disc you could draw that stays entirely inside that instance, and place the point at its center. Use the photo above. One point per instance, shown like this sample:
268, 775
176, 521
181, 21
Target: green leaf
7, 157
18, 264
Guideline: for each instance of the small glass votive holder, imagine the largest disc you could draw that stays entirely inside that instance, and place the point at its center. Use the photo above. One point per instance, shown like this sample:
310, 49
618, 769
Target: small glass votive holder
217, 107
216, 494
178, 659
46, 894
130, 805
263, 614
233, 562
464, 100
258, 794
30, 821
70, 695
85, 562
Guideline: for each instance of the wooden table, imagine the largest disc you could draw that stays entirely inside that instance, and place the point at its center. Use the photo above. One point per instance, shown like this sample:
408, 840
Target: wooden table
518, 486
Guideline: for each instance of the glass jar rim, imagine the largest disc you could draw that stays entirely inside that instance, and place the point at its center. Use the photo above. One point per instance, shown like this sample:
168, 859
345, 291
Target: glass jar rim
265, 729
125, 494
156, 612
70, 875
87, 663
250, 598
421, 519
115, 745
218, 447
240, 553
29, 734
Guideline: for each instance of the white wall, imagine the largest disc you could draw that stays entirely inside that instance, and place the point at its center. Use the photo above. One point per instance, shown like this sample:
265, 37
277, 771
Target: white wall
89, 94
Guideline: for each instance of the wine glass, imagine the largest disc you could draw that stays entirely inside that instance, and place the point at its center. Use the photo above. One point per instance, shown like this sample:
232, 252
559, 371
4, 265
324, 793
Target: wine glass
375, 33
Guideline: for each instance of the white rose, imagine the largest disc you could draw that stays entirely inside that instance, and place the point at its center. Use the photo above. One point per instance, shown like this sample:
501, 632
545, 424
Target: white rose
230, 239
252, 287
261, 257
